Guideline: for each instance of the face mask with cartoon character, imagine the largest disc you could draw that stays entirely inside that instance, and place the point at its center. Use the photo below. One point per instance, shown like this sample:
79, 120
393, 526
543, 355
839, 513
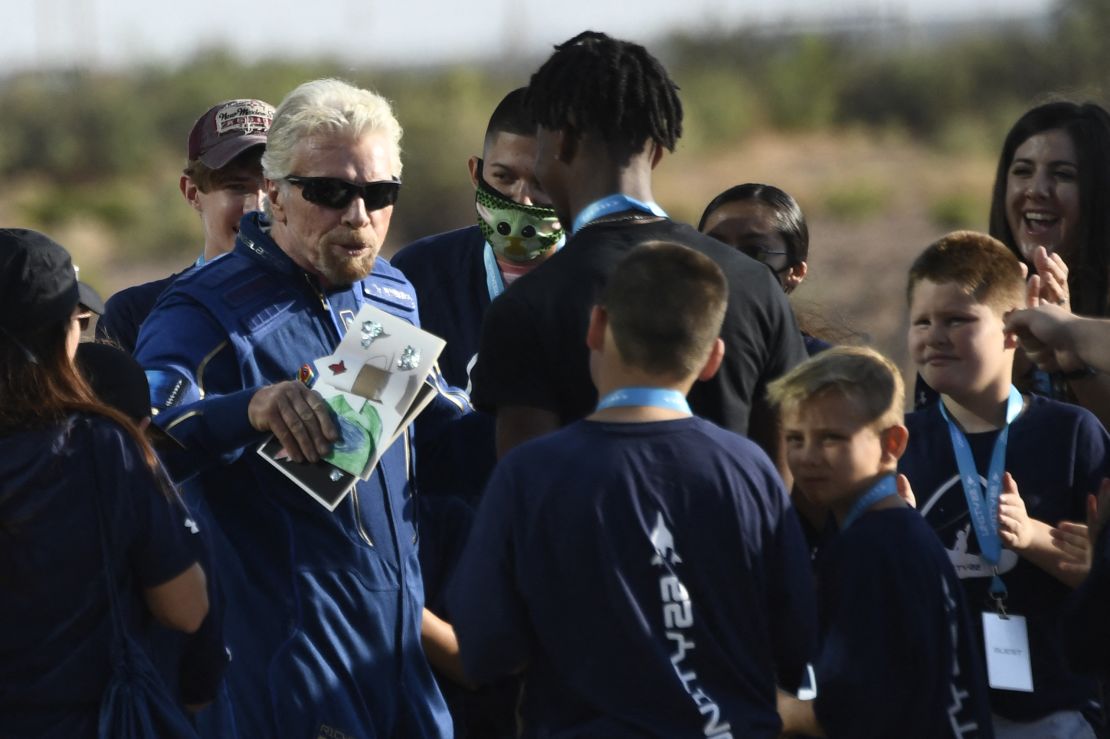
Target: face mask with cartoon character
517, 232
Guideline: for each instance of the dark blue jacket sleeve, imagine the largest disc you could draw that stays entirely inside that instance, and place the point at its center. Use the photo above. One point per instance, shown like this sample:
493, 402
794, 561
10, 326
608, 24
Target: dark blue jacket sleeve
195, 387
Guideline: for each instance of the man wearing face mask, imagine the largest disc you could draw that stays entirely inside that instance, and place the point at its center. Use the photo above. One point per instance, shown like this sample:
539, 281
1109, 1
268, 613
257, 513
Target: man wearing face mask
456, 274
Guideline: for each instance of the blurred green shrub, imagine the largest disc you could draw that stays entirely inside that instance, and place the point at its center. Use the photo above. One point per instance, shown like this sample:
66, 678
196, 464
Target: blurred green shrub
960, 210
854, 201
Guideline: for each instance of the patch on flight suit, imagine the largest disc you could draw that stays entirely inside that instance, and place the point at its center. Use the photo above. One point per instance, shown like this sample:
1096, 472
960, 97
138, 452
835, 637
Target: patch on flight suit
398, 294
256, 321
169, 389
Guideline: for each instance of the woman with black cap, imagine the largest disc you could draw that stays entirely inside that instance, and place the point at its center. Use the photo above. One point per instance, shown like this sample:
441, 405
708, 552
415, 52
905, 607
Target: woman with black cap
92, 544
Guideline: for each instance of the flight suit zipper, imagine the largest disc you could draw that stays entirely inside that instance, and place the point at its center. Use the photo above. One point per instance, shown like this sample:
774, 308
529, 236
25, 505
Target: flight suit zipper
325, 305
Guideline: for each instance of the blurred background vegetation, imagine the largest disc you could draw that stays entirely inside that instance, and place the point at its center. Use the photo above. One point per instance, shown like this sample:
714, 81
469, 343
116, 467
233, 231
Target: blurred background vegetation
887, 135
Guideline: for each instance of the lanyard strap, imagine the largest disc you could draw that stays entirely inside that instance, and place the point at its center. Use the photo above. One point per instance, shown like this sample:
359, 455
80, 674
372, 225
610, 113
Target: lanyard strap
656, 397
495, 284
884, 488
615, 203
983, 505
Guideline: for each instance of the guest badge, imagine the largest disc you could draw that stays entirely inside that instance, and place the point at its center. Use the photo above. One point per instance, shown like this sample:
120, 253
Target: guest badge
1007, 644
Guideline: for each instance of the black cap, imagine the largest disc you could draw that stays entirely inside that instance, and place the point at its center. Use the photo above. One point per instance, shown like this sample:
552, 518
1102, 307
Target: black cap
38, 285
116, 378
90, 298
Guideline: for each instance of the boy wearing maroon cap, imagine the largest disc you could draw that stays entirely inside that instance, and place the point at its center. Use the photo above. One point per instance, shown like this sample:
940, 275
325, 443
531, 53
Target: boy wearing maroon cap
222, 180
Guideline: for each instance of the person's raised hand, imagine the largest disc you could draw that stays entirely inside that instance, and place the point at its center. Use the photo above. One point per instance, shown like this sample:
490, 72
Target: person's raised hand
1042, 332
1072, 539
1015, 527
1053, 278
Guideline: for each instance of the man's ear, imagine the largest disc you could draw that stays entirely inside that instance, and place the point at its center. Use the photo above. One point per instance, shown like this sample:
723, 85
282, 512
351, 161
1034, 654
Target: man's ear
656, 154
277, 202
713, 363
894, 440
595, 334
190, 190
566, 144
472, 166
1010, 338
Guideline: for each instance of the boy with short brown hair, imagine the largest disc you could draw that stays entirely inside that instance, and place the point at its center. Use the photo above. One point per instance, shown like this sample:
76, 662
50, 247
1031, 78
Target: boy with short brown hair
642, 567
967, 458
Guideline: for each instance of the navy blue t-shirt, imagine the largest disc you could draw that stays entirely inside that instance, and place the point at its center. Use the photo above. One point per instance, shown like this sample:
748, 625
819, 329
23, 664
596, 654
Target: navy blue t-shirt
449, 275
897, 656
54, 624
1057, 453
651, 577
125, 311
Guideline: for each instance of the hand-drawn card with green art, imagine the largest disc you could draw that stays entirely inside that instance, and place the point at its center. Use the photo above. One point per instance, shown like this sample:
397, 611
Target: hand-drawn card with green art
360, 433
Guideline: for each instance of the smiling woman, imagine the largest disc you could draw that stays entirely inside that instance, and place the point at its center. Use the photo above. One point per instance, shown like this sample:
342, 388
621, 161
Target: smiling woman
1048, 207
1052, 180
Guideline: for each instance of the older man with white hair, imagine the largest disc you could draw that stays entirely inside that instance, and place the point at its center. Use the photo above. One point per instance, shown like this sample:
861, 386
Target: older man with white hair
324, 608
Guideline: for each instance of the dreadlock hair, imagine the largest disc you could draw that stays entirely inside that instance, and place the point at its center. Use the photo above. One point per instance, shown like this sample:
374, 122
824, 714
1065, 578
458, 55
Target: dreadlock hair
614, 89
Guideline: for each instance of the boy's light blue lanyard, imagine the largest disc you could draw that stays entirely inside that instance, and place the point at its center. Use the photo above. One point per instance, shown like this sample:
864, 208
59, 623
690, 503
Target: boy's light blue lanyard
656, 397
884, 488
615, 203
494, 282
983, 507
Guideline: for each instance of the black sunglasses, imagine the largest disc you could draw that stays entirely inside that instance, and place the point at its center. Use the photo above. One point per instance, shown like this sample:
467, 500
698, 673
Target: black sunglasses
332, 192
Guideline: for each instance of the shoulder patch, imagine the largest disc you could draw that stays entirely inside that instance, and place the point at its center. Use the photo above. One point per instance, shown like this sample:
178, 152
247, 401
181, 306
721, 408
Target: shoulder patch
396, 293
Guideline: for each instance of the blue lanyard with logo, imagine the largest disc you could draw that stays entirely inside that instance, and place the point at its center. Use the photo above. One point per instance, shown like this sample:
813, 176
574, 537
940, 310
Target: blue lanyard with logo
656, 397
616, 203
983, 505
884, 488
495, 285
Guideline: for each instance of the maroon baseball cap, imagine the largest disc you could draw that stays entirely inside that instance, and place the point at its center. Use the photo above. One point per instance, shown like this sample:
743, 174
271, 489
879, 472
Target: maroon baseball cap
228, 129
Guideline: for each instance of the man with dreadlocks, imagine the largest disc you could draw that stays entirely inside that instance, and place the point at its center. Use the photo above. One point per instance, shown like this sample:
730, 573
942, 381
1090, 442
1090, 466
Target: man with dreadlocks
606, 110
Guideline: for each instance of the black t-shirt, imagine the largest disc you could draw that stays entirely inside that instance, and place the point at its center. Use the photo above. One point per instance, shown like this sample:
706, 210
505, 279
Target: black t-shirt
533, 351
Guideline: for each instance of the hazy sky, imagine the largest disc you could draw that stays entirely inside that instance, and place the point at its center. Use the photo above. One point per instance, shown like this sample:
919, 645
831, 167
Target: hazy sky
114, 32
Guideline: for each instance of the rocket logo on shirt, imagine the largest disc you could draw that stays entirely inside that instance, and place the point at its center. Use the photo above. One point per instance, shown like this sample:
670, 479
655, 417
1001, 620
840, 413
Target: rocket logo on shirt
663, 541
678, 625
946, 512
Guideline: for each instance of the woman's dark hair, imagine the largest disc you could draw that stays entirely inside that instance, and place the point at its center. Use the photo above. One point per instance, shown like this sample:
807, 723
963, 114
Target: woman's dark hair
40, 386
790, 222
1088, 126
613, 88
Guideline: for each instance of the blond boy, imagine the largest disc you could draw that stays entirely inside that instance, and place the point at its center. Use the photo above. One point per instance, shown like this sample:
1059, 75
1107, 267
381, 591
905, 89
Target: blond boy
894, 658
